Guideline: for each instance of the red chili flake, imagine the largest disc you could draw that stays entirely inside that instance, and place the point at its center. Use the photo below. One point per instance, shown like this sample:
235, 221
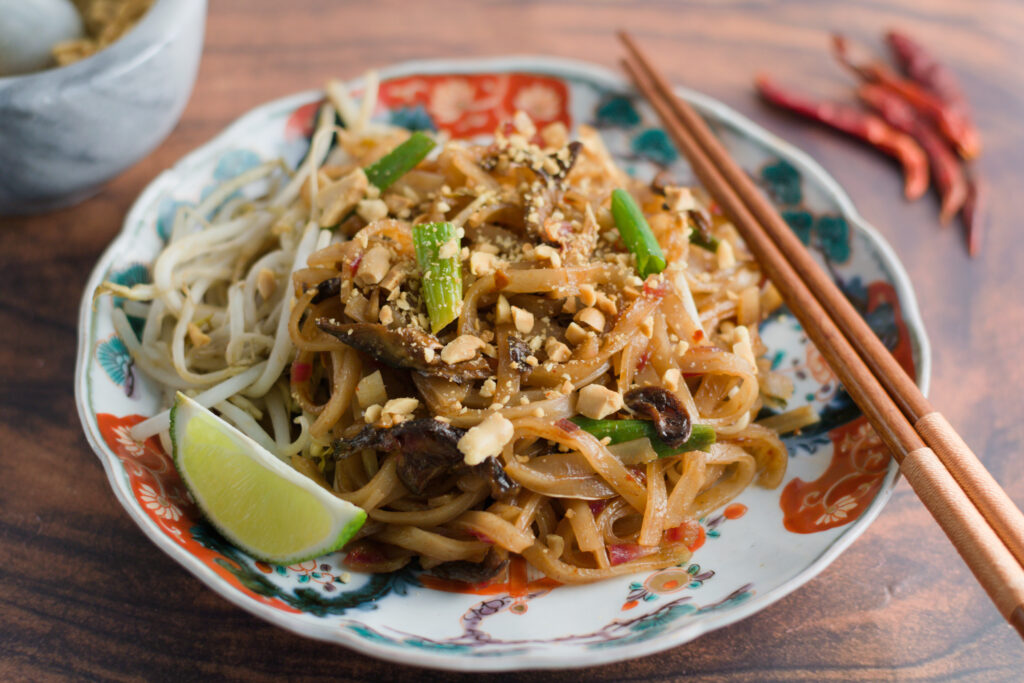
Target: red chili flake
301, 372
479, 536
567, 426
698, 335
642, 363
363, 556
625, 552
355, 264
691, 375
655, 287
597, 506
688, 533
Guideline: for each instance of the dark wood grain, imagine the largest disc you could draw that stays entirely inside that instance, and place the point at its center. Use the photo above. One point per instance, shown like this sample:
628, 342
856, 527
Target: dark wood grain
84, 595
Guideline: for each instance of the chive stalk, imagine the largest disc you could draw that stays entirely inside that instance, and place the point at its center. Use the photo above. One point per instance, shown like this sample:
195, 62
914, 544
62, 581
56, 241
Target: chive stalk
703, 240
399, 161
637, 234
441, 281
620, 431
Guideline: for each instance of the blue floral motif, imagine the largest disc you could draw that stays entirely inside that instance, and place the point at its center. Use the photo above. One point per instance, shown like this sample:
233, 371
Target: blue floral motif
134, 274
617, 111
235, 163
654, 144
115, 360
166, 214
829, 233
412, 118
783, 183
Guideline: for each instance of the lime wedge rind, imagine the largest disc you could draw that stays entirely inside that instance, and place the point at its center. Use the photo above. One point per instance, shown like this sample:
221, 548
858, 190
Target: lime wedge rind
257, 502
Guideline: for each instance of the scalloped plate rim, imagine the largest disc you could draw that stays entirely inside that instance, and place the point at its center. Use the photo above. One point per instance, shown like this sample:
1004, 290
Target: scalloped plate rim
546, 659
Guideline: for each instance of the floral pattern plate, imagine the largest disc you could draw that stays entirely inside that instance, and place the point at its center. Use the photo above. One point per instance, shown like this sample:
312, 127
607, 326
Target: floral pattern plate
748, 555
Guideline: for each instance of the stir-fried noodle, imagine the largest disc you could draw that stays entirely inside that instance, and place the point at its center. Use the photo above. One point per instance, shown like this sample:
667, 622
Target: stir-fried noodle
296, 307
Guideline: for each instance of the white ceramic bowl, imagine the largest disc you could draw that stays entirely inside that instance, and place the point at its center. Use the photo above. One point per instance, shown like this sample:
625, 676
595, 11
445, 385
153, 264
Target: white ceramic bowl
65, 132
753, 552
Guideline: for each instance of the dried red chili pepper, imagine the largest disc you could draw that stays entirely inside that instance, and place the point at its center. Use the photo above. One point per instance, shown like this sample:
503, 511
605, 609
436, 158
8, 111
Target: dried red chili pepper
951, 121
921, 66
974, 213
946, 170
859, 124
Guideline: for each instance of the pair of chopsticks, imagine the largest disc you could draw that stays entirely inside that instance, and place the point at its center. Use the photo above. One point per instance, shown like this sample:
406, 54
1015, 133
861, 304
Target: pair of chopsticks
981, 521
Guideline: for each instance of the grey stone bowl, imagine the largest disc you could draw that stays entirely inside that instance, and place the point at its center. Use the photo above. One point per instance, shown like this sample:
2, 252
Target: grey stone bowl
67, 131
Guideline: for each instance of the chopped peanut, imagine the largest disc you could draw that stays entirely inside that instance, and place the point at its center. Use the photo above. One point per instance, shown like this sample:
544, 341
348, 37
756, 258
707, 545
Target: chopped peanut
522, 319
373, 266
592, 318
556, 350
371, 210
372, 413
486, 439
672, 378
588, 295
482, 263
598, 402
575, 334
462, 348
340, 197
387, 316
548, 253
502, 311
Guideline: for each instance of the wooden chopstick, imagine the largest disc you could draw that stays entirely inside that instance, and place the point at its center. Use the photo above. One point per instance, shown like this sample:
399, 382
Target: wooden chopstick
985, 553
986, 494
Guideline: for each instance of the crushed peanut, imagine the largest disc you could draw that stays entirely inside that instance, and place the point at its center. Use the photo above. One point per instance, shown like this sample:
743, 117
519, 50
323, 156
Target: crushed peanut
522, 319
598, 402
592, 318
462, 348
486, 440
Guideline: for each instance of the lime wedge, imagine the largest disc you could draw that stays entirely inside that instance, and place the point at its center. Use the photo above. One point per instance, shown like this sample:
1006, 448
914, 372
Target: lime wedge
255, 500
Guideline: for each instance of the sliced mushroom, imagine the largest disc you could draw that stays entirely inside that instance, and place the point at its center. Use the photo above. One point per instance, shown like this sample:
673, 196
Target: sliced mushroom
326, 289
518, 352
427, 452
473, 572
405, 347
661, 405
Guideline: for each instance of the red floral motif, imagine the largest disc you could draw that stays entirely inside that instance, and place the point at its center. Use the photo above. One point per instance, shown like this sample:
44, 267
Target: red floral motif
859, 459
301, 122
475, 104
162, 495
859, 463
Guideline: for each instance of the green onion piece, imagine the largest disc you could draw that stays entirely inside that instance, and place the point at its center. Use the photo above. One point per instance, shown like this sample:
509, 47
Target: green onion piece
442, 277
637, 234
703, 240
399, 161
619, 431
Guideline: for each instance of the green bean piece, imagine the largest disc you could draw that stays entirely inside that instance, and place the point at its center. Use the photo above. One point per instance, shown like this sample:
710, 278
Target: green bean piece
399, 161
636, 233
441, 281
620, 431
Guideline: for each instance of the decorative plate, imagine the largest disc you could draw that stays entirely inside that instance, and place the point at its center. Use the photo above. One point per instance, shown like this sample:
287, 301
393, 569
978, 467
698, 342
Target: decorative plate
753, 552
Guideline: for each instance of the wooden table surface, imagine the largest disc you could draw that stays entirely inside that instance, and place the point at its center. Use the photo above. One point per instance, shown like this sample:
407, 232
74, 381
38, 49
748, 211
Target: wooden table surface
84, 595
